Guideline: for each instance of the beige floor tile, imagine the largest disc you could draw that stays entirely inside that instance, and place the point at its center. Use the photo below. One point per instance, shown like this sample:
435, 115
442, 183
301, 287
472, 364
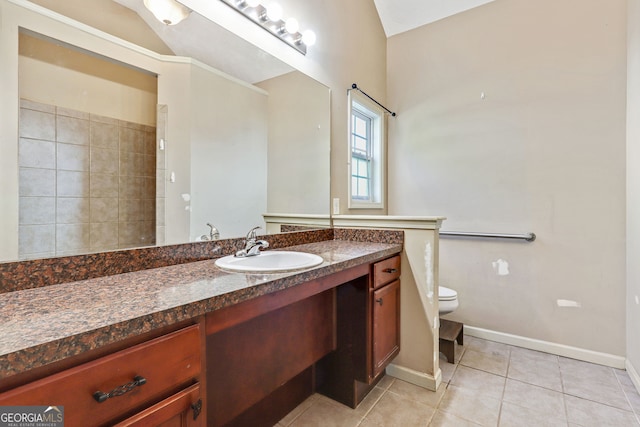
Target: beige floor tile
442, 419
520, 353
488, 361
535, 398
471, 405
629, 389
590, 371
385, 382
369, 402
588, 413
593, 382
324, 413
485, 346
531, 396
472, 379
394, 410
634, 400
299, 410
512, 415
447, 369
418, 394
535, 368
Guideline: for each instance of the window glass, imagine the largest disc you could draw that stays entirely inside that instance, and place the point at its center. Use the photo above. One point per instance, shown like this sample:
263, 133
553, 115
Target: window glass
366, 154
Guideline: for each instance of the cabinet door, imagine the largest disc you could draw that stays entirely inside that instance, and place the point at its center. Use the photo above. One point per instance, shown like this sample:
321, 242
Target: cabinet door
386, 326
180, 410
97, 392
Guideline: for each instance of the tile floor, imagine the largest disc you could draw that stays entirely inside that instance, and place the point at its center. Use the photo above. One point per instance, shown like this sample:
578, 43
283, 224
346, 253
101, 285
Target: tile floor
491, 384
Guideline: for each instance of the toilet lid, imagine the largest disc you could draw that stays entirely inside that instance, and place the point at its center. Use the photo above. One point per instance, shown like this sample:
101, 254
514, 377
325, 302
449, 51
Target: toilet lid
446, 294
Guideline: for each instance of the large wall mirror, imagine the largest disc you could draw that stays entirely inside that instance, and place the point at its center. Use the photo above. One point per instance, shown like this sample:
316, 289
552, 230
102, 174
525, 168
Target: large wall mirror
121, 146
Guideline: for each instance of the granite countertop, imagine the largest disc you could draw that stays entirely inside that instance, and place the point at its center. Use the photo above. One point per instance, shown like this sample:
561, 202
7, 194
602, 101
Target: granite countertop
46, 324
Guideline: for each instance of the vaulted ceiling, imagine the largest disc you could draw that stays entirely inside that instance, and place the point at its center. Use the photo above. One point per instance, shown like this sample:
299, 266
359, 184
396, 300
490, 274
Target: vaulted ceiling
398, 16
230, 53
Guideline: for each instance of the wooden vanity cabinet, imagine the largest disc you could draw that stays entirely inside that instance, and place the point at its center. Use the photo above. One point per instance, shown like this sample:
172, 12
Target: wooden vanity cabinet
149, 384
183, 409
385, 324
368, 334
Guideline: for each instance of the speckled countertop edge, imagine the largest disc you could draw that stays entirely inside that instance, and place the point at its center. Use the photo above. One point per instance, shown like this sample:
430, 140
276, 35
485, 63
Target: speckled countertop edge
44, 325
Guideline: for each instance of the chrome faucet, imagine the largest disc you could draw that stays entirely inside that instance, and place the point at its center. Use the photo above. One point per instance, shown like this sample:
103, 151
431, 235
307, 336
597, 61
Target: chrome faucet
252, 245
214, 234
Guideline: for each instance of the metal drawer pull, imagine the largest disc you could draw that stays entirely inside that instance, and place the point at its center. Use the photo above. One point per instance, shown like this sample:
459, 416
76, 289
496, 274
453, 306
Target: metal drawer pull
197, 408
379, 301
101, 396
390, 270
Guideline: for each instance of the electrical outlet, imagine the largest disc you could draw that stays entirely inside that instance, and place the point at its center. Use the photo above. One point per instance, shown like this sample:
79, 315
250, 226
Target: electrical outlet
336, 206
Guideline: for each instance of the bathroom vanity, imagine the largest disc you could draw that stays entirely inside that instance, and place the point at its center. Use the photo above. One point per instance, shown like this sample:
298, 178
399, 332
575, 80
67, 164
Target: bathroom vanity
193, 345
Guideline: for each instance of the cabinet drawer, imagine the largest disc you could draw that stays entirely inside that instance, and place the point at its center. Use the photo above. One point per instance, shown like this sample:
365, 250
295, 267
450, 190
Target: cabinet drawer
165, 363
182, 409
386, 271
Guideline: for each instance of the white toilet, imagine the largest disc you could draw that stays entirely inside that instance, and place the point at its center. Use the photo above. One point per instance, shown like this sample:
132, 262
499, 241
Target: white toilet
447, 300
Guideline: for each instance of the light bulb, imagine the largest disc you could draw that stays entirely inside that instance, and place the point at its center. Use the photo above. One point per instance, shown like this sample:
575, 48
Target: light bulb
169, 12
291, 25
309, 38
274, 12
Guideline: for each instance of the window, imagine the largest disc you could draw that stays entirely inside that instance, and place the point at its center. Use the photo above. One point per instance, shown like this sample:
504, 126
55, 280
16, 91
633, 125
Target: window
366, 153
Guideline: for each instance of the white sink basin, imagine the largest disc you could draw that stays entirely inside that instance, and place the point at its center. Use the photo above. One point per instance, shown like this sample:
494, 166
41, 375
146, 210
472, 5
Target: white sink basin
270, 261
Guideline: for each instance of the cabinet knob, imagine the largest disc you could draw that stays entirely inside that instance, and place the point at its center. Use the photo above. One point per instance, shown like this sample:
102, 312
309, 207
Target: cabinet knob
197, 408
390, 270
101, 396
379, 301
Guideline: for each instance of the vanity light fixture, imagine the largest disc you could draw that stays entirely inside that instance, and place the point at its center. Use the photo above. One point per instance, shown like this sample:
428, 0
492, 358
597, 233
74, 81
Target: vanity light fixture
269, 16
169, 12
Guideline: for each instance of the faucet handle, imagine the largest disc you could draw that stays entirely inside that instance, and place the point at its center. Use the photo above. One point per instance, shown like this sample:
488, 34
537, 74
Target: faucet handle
251, 235
214, 234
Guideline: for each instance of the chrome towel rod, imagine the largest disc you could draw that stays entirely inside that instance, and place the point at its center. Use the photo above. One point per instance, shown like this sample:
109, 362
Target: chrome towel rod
529, 237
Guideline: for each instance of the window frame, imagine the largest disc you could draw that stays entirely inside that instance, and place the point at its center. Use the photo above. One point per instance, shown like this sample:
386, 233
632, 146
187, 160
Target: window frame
365, 107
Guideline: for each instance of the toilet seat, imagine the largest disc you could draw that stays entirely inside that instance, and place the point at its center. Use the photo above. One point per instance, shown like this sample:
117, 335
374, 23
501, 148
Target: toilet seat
446, 294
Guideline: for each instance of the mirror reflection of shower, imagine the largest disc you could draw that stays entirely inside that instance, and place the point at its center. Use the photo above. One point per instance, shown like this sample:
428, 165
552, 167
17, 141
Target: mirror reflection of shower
87, 165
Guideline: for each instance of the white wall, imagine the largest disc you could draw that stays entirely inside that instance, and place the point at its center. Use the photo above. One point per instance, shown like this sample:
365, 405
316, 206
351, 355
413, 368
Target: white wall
82, 82
633, 190
544, 151
228, 155
298, 157
351, 48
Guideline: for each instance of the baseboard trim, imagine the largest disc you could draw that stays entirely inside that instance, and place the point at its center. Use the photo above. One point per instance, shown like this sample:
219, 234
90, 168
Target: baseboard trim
420, 379
549, 347
633, 374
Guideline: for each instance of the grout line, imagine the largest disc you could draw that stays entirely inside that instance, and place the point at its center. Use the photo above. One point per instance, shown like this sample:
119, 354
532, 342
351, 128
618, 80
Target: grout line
626, 396
446, 385
564, 394
384, 391
504, 389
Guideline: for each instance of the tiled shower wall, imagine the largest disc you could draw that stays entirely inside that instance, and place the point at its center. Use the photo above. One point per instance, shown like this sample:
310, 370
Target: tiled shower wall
87, 183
